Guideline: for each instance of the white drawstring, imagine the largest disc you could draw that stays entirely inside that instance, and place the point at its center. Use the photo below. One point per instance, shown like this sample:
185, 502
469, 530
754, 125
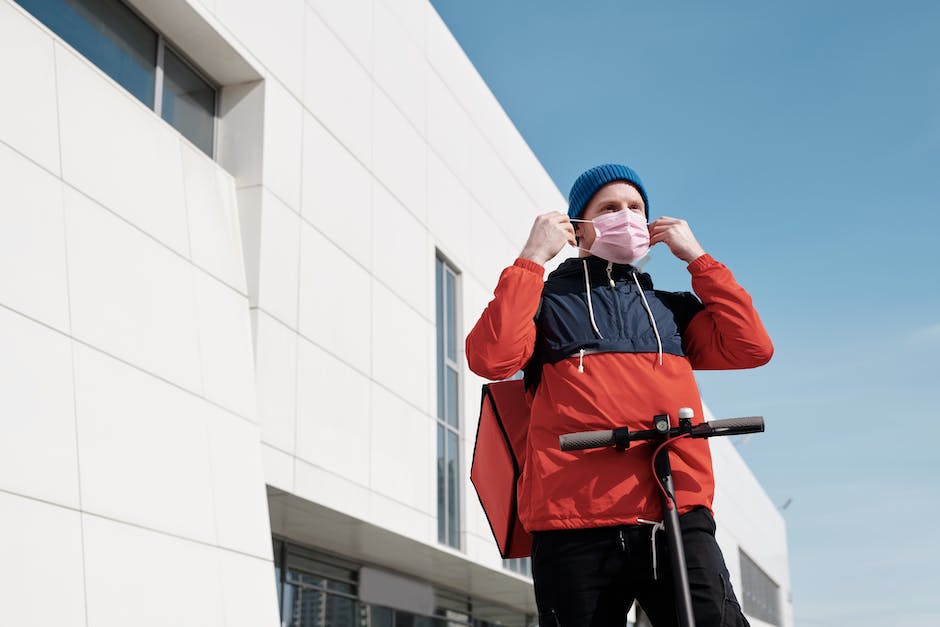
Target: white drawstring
649, 312
587, 287
581, 360
657, 526
659, 342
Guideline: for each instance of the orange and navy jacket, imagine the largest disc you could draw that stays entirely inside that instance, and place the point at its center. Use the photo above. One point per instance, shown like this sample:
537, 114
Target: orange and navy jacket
588, 337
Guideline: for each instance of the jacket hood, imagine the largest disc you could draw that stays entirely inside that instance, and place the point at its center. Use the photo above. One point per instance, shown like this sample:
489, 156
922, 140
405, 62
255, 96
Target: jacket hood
597, 267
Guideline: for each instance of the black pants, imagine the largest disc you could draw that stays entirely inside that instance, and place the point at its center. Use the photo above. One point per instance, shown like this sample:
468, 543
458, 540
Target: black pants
590, 577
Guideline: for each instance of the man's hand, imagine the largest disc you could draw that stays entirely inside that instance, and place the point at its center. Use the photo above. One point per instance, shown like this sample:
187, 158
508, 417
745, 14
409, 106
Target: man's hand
677, 235
549, 234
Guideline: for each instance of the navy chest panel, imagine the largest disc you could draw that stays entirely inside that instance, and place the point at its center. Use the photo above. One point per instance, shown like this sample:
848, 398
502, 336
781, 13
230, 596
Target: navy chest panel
624, 324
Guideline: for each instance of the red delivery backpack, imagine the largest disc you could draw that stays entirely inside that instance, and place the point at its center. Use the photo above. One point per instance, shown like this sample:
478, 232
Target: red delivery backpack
498, 458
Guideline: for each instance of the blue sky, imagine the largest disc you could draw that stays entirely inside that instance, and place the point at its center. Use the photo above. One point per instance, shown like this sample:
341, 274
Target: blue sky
801, 141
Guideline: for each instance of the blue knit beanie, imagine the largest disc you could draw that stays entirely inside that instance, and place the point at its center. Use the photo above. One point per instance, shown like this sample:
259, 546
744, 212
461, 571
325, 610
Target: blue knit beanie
589, 182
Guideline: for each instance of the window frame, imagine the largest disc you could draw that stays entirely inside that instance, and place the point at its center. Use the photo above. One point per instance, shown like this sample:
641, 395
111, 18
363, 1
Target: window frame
162, 42
752, 601
446, 274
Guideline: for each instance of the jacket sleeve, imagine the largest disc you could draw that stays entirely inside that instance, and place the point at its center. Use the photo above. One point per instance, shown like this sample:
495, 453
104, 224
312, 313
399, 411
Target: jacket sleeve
503, 339
727, 334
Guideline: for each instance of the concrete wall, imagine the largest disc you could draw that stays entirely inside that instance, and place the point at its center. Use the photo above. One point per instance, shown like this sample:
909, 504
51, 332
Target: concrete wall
129, 461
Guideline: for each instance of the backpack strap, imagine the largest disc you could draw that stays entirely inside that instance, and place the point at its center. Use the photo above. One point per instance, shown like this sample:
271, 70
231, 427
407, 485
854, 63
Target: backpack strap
532, 371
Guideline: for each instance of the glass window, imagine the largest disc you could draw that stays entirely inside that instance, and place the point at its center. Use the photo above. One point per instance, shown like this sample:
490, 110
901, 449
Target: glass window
451, 300
188, 101
126, 48
448, 407
109, 35
441, 483
319, 590
521, 565
761, 595
452, 394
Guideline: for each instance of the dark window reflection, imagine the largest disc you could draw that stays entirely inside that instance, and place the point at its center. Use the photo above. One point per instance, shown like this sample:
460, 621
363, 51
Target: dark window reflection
113, 37
109, 35
188, 101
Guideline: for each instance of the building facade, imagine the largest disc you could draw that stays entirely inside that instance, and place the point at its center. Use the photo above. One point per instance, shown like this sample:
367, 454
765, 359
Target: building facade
240, 246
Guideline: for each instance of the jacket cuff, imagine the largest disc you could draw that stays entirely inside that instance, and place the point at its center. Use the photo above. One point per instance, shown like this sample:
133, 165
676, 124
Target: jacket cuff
531, 266
702, 262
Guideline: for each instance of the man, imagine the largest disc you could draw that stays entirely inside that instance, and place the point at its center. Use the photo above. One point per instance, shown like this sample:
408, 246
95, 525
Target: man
603, 349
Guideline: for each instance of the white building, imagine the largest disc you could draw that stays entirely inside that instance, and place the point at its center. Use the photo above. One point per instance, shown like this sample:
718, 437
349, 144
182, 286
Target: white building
232, 237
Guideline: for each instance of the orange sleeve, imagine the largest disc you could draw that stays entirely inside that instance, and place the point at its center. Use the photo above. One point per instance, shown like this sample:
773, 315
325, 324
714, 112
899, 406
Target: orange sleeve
727, 334
503, 339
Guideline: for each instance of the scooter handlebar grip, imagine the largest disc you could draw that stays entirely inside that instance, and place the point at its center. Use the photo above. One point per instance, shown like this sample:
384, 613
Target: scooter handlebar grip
734, 426
586, 439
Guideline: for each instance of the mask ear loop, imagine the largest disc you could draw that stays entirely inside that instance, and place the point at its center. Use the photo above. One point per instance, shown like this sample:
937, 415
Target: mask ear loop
578, 238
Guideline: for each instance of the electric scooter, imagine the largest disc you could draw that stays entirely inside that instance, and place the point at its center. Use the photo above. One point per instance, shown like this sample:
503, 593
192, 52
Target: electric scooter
665, 435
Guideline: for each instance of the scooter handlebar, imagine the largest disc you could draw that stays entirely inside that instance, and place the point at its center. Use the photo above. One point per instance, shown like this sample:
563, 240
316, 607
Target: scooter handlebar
601, 439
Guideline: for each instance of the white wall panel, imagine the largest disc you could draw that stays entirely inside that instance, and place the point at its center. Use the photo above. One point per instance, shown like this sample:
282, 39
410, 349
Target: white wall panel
278, 259
278, 468
412, 14
400, 156
491, 252
483, 551
515, 212
337, 89
238, 493
249, 594
212, 212
401, 357
450, 62
351, 20
403, 450
130, 295
400, 251
225, 346
400, 67
250, 200
529, 173
119, 152
275, 379
37, 425
41, 559
337, 194
335, 301
333, 410
449, 127
28, 117
138, 577
402, 519
468, 497
272, 32
33, 275
143, 450
492, 185
475, 298
449, 209
283, 143
241, 131
331, 490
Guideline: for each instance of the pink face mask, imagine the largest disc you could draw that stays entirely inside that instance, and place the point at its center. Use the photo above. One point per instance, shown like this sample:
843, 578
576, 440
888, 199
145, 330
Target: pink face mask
620, 236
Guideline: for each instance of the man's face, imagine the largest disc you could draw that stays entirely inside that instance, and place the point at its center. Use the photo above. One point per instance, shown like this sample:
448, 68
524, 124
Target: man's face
616, 196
